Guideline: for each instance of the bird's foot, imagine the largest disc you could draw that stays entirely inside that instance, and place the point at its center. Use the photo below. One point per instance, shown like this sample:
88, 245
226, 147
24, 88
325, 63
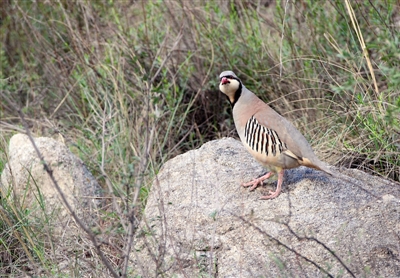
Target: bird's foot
256, 182
274, 194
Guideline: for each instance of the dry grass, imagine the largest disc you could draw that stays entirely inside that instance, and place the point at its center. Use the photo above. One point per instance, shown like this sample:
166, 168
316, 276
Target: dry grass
131, 84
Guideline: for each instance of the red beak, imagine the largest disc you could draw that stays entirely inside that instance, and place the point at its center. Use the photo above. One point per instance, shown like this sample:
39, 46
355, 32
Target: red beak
224, 80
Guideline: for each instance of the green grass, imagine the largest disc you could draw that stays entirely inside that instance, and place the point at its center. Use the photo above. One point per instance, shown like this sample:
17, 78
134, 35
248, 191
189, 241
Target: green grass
129, 86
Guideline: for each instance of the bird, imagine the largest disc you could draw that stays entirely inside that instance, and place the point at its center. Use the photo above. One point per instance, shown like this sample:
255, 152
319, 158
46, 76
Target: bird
269, 137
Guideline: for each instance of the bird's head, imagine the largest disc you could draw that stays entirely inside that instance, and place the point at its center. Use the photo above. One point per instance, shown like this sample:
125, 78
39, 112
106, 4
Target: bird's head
230, 85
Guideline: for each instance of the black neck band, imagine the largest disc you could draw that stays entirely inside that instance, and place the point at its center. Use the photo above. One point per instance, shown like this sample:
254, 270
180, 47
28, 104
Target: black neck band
237, 94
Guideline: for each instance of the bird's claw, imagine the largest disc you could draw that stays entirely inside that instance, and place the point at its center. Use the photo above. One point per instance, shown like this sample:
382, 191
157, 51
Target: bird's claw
254, 184
272, 195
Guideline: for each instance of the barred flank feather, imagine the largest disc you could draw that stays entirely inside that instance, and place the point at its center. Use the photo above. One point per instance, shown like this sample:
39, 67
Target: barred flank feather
262, 139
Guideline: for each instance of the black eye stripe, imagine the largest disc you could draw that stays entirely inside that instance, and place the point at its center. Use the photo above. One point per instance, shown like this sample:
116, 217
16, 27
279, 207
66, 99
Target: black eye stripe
230, 77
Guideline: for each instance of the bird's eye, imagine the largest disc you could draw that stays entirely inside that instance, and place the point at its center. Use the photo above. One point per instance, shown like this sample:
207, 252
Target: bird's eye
227, 76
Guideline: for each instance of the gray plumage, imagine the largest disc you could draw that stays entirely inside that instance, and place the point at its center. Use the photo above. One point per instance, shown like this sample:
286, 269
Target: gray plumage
270, 138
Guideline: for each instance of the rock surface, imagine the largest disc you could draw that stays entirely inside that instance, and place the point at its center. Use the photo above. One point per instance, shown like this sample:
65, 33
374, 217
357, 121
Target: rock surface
25, 180
200, 222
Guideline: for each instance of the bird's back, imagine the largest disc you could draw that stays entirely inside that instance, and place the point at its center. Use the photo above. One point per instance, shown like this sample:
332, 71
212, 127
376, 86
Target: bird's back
250, 106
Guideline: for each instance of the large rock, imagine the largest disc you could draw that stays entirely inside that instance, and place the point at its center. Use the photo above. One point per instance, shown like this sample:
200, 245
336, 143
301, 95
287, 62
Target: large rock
199, 221
25, 181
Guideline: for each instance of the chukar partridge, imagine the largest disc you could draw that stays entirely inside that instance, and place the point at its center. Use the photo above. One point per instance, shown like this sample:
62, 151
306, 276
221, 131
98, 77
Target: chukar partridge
272, 140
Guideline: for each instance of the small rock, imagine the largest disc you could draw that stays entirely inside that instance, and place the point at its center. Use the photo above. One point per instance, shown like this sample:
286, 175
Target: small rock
26, 182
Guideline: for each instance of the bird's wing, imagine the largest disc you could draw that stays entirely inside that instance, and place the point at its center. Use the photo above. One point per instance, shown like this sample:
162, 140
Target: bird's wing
296, 144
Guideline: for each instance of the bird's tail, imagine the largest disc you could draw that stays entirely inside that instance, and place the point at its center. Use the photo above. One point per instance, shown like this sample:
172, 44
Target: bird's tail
318, 165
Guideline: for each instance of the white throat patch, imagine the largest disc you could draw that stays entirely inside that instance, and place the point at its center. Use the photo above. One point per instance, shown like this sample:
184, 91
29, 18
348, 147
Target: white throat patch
229, 89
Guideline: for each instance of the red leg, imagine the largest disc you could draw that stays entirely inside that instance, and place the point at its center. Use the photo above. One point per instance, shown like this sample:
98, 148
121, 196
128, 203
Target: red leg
274, 194
254, 183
